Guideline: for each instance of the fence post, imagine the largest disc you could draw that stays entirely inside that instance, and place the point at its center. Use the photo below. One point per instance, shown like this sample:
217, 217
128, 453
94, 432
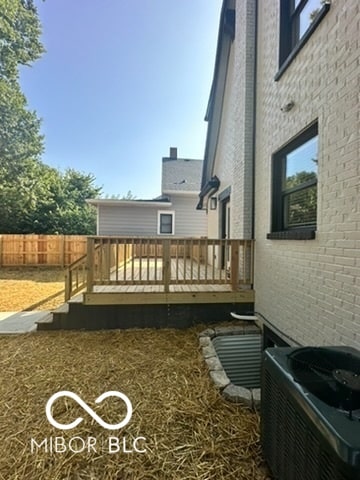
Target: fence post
90, 263
62, 251
234, 265
166, 265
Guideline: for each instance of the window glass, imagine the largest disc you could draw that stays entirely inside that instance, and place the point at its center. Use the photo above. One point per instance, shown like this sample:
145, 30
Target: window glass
300, 189
300, 208
166, 223
296, 18
295, 166
301, 164
308, 15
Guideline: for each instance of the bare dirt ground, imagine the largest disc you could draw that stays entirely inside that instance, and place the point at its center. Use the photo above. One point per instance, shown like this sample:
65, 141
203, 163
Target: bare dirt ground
31, 288
189, 431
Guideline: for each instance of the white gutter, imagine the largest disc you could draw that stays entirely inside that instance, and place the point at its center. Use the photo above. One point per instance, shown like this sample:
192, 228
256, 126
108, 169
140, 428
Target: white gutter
181, 192
105, 202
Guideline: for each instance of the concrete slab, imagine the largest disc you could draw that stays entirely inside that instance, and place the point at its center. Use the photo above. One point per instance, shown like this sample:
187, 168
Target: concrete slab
19, 322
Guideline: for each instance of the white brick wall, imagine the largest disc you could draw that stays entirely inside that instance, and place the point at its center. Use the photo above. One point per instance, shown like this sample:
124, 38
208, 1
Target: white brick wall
233, 161
244, 102
310, 290
224, 158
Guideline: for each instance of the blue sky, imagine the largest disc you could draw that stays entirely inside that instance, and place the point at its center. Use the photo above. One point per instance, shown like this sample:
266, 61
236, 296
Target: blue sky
121, 82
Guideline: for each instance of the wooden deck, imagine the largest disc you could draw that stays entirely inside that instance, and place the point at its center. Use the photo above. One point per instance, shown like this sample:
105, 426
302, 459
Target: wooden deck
194, 286
163, 271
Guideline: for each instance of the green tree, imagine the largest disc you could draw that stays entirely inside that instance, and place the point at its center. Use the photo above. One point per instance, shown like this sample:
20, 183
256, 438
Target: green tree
128, 196
20, 190
20, 31
66, 210
48, 201
302, 202
21, 143
20, 44
19, 128
34, 198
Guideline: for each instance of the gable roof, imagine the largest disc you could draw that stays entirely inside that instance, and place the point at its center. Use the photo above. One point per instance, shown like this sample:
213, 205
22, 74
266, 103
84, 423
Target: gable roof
180, 175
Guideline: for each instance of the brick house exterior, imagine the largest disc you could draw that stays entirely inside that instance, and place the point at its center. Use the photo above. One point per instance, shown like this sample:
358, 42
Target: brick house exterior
272, 98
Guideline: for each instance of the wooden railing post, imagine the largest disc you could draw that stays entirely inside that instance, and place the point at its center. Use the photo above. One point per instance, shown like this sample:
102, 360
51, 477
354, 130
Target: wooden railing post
106, 263
166, 258
234, 264
90, 263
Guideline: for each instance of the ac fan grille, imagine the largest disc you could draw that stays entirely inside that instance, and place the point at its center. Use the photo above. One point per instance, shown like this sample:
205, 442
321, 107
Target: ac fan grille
290, 445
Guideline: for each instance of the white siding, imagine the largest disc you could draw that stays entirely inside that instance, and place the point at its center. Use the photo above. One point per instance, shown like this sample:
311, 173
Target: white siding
189, 222
125, 220
143, 221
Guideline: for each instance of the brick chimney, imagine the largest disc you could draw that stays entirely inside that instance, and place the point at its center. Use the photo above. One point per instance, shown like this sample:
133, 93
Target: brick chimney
173, 153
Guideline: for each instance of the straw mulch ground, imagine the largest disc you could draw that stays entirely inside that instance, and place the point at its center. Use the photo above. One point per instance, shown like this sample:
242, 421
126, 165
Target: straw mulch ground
31, 288
191, 431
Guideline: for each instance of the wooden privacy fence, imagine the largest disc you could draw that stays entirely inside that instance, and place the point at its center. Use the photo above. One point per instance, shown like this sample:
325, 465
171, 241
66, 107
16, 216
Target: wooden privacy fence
41, 250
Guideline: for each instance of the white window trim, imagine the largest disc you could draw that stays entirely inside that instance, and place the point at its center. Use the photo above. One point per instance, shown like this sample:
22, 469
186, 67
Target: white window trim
166, 212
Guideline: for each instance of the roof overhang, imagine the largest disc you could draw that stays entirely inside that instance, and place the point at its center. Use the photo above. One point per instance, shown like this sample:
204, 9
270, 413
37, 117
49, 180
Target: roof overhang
105, 202
216, 99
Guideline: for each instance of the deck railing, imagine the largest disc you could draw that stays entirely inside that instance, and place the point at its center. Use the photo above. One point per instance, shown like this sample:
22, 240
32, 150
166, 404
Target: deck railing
76, 274
75, 277
168, 261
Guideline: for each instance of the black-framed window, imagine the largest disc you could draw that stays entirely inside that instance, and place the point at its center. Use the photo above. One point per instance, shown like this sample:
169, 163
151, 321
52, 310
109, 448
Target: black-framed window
298, 20
166, 223
294, 187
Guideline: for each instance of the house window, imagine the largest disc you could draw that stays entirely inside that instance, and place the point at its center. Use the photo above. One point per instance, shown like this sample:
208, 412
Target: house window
294, 202
166, 223
298, 20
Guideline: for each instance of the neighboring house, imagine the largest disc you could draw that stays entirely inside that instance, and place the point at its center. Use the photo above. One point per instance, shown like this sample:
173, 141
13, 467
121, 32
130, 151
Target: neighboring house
171, 214
282, 161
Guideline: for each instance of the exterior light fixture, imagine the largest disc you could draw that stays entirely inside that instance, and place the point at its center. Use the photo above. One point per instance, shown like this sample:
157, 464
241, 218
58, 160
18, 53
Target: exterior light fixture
213, 203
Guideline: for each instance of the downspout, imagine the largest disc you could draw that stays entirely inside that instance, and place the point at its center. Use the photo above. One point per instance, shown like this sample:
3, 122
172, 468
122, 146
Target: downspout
97, 219
254, 123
